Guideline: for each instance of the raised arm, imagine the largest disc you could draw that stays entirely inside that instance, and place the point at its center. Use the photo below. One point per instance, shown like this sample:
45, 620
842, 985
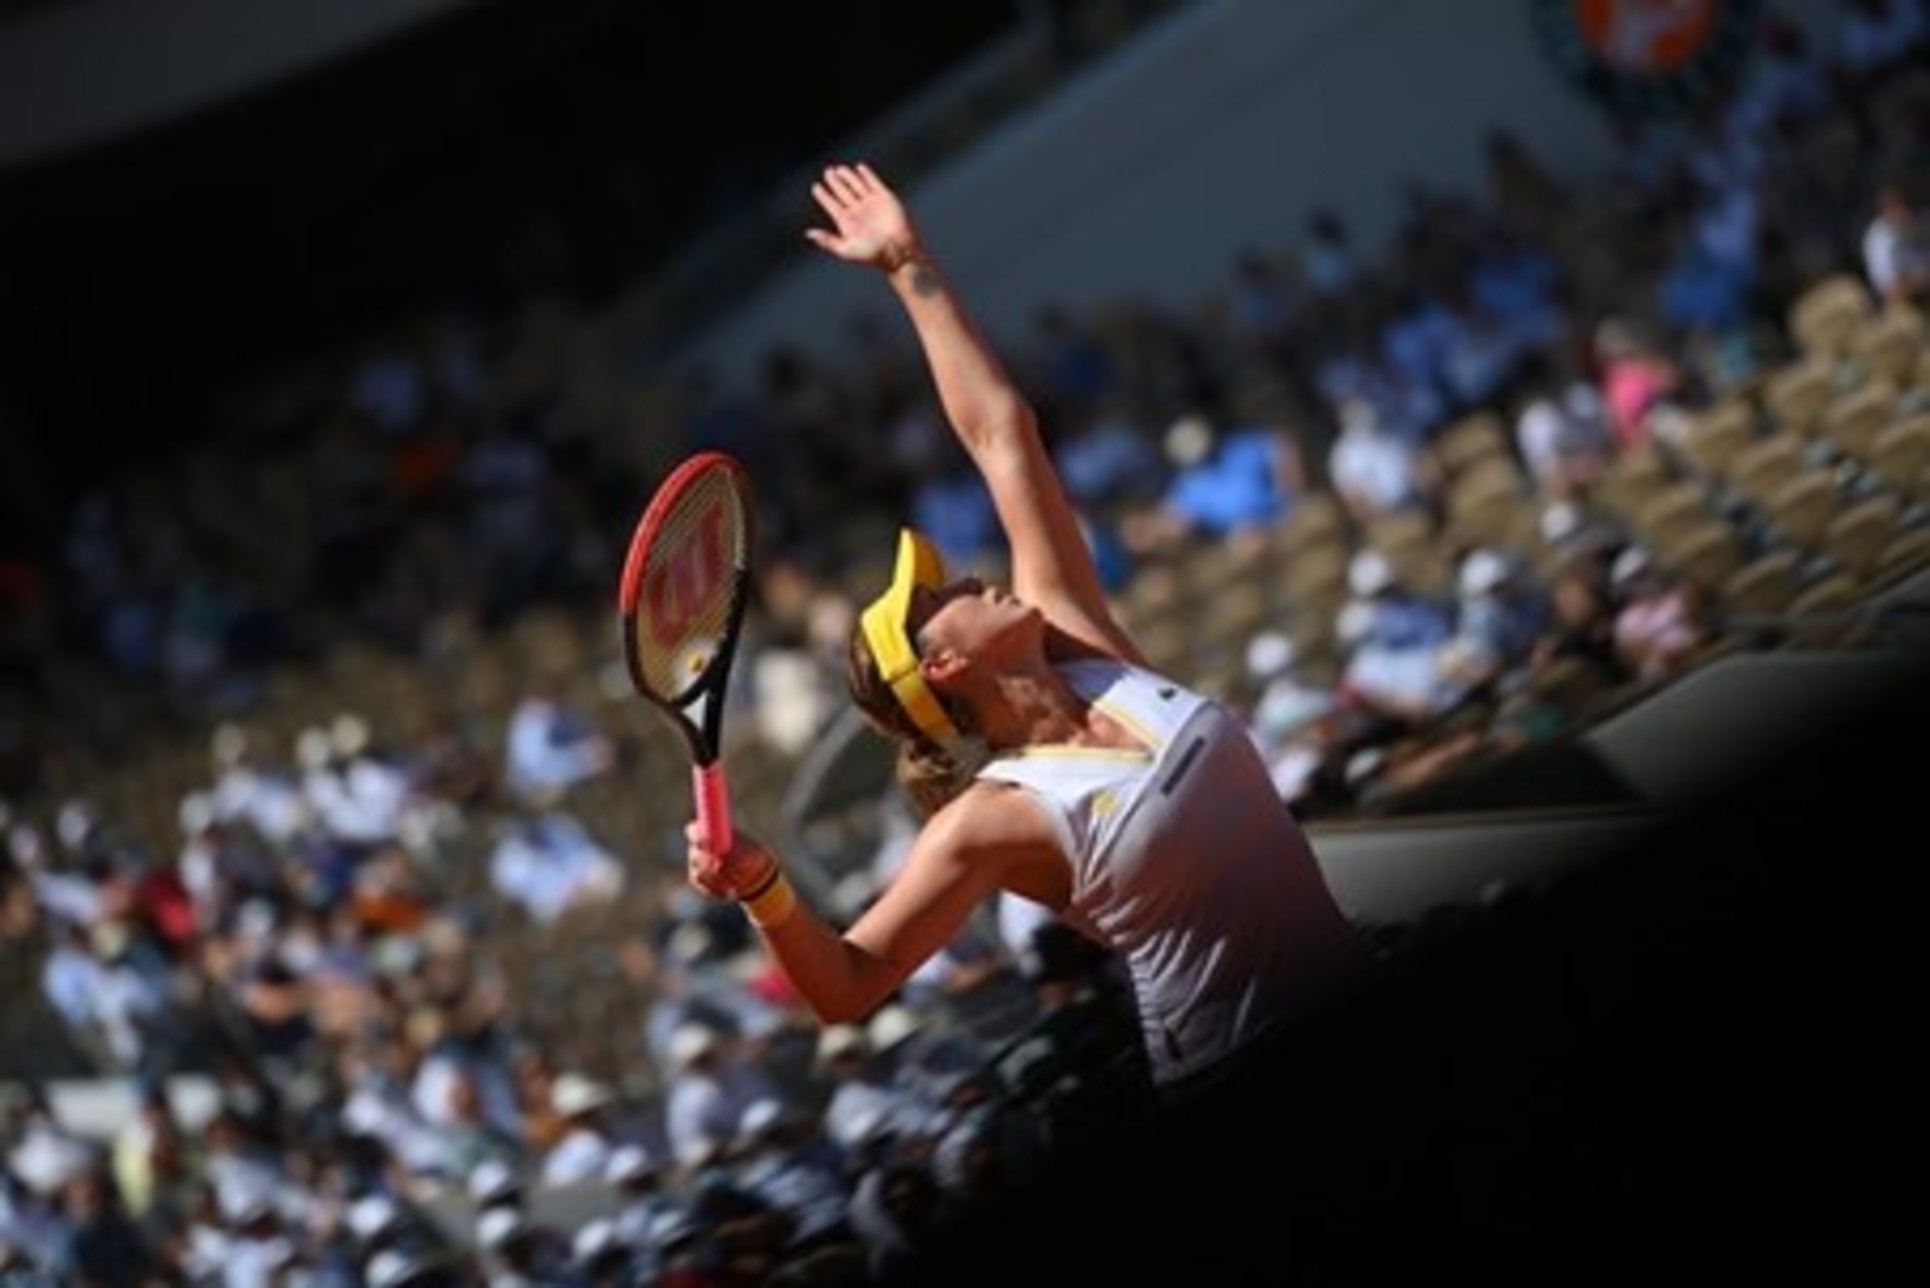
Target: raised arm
1051, 561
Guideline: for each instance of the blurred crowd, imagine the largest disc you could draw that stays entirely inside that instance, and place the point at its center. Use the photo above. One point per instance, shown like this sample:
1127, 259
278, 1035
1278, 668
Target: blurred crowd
332, 835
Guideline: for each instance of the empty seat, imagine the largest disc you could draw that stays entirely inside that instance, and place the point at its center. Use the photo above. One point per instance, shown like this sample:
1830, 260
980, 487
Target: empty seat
1856, 537
1634, 474
1476, 437
1854, 417
1491, 502
1400, 534
1230, 616
1823, 611
1705, 553
1713, 437
1316, 515
1795, 394
1827, 315
1888, 346
1908, 551
1801, 507
1764, 585
1671, 511
1765, 465
1900, 453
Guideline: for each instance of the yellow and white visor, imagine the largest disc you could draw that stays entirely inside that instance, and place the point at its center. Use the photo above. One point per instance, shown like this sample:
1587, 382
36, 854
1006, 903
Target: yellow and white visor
884, 625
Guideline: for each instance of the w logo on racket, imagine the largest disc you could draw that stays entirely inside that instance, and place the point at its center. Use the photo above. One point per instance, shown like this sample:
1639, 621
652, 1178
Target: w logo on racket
684, 593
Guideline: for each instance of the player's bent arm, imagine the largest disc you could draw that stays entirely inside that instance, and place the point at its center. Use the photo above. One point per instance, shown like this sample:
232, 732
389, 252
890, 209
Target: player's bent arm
962, 857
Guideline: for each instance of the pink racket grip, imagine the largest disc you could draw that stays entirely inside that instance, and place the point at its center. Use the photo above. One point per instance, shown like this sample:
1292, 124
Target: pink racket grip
713, 806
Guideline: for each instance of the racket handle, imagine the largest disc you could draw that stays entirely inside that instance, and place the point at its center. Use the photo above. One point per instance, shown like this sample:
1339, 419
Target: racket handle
713, 805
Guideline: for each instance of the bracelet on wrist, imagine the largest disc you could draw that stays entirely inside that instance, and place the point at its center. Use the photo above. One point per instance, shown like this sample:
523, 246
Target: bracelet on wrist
762, 884
773, 901
899, 254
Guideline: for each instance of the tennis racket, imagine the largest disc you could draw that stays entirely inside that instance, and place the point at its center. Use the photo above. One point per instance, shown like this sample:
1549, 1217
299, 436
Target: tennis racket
680, 607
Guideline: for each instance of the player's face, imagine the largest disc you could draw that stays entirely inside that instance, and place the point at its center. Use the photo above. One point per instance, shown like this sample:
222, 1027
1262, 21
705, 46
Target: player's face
971, 618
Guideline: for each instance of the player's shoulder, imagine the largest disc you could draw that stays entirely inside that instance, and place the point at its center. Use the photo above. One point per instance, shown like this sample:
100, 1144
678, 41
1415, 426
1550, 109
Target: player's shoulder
989, 814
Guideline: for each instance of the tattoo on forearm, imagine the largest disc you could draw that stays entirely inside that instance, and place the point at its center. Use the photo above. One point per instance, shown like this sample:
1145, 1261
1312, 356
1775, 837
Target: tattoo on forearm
924, 278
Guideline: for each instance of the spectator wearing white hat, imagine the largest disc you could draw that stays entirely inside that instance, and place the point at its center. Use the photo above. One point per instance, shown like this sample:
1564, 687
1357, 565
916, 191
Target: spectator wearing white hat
359, 796
1500, 613
634, 1174
601, 1258
862, 1103
1290, 713
784, 1156
1375, 466
1561, 430
252, 791
1392, 638
413, 1268
709, 1088
495, 1183
521, 1251
548, 863
584, 1105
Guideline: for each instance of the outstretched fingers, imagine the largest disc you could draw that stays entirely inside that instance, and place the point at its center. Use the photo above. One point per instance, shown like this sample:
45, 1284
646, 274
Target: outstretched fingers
850, 183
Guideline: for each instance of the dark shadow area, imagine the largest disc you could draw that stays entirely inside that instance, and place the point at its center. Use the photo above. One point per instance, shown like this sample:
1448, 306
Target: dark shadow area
1693, 1059
571, 147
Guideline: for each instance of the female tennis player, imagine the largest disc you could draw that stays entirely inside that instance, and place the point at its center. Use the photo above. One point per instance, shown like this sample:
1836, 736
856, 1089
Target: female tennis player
1043, 755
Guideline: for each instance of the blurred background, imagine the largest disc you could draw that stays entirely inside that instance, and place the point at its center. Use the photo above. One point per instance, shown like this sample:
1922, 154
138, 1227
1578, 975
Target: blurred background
1478, 396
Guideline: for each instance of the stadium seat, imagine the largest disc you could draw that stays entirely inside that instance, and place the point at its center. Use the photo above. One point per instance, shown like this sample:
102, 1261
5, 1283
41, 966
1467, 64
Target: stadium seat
1820, 613
1315, 516
1900, 454
1764, 585
1713, 437
1888, 346
1906, 552
1760, 469
1853, 419
1404, 536
1475, 438
1855, 538
1490, 503
1316, 572
1671, 513
1703, 553
1635, 473
1799, 508
1825, 317
1796, 393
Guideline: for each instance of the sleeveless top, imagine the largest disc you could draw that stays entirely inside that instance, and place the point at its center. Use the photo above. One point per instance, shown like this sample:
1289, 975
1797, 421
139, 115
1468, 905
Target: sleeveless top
1188, 864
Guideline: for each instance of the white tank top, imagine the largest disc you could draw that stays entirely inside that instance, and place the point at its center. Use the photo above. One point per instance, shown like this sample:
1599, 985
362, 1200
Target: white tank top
1187, 862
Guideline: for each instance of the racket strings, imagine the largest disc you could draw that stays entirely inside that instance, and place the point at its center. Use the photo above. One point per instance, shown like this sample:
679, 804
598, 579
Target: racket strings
691, 581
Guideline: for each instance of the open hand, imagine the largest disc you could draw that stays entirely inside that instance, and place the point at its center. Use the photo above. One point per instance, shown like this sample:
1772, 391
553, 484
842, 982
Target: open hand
870, 225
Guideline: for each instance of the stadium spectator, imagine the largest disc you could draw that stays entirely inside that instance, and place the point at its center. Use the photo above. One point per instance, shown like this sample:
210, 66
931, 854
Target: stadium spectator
1662, 621
1895, 244
1227, 483
550, 746
1636, 375
1376, 468
586, 1108
1561, 431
